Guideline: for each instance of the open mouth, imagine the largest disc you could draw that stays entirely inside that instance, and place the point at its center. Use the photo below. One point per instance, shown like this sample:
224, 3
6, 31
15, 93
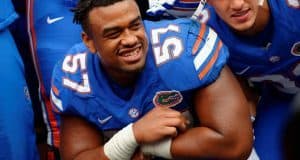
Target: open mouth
131, 55
241, 16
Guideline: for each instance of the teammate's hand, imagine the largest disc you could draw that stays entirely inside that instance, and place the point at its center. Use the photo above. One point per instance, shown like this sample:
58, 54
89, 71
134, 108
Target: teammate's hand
159, 7
159, 123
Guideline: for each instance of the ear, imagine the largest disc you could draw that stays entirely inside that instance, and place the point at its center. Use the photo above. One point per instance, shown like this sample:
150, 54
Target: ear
88, 41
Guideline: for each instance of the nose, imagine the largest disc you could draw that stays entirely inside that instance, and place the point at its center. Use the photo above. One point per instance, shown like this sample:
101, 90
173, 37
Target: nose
237, 4
128, 38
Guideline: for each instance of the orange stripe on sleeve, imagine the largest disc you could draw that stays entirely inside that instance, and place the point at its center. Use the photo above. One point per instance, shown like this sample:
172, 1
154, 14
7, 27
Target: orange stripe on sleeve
53, 123
199, 38
55, 90
211, 61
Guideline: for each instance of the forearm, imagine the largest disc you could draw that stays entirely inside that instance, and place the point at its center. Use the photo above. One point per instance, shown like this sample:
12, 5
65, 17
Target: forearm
92, 154
81, 140
203, 142
121, 146
225, 129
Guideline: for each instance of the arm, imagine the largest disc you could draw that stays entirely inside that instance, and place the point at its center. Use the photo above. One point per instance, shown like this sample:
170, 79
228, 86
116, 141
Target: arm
225, 129
82, 141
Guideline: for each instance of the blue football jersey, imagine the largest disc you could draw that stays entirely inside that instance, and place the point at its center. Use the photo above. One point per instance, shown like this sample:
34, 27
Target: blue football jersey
183, 55
51, 34
272, 57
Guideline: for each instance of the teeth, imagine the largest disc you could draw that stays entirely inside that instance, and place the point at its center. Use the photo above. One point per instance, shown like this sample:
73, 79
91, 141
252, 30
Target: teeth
133, 53
240, 13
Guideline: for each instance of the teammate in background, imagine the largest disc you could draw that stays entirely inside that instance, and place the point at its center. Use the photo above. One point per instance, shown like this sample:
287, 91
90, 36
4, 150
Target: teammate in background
124, 83
51, 34
17, 136
264, 42
263, 38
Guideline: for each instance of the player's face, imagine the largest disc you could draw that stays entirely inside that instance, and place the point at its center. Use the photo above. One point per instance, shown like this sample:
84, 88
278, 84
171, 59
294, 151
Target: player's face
238, 14
118, 36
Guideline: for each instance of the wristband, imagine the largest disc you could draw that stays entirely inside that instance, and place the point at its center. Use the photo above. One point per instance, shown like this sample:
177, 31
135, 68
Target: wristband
160, 149
122, 145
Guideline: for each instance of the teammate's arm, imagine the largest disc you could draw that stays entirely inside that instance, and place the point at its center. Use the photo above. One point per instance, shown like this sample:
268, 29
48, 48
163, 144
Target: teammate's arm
225, 130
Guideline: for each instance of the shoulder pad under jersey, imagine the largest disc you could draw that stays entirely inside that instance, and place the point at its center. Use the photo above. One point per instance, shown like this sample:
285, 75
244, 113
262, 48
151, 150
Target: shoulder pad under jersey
188, 54
70, 78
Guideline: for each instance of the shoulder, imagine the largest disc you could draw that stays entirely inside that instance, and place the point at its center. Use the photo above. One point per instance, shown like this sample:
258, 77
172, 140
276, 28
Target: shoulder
70, 77
188, 54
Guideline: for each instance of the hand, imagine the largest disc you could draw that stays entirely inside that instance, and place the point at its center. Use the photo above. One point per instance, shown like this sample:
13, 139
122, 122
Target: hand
159, 7
159, 123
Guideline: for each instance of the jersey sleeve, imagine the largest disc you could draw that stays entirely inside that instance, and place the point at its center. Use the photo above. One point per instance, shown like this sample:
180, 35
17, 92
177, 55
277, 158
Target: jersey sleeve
58, 94
195, 54
69, 79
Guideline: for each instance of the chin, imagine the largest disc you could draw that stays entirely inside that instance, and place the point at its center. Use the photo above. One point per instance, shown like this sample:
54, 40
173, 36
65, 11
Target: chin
136, 68
243, 27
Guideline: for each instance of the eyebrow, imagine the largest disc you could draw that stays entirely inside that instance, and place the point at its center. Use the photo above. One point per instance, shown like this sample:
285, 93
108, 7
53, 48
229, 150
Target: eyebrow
109, 29
138, 18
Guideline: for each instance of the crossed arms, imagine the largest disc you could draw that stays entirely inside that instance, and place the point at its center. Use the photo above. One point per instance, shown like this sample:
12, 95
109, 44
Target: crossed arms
224, 131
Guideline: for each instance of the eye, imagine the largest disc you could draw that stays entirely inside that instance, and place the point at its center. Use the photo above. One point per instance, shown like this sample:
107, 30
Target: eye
113, 34
136, 25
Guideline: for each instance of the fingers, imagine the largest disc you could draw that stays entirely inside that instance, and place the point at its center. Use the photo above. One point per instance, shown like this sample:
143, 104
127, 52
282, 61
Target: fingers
175, 119
179, 123
169, 132
159, 123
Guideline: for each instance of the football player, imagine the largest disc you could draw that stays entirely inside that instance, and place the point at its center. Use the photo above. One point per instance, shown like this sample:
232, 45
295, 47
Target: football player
264, 41
135, 79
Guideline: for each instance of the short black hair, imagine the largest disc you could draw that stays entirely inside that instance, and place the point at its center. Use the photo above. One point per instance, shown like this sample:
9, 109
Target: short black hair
83, 8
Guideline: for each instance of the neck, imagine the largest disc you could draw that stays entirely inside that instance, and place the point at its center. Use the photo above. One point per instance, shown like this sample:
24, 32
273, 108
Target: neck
124, 79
